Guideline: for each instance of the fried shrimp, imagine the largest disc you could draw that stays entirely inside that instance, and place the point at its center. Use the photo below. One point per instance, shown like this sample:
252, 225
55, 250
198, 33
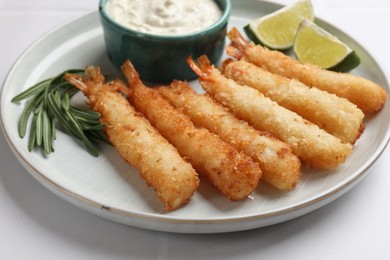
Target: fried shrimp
367, 95
159, 163
233, 173
309, 142
280, 167
335, 115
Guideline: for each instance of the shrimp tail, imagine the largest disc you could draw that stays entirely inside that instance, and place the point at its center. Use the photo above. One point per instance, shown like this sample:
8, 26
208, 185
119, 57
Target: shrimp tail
234, 52
120, 87
131, 74
94, 74
202, 66
77, 81
225, 63
88, 83
238, 43
93, 80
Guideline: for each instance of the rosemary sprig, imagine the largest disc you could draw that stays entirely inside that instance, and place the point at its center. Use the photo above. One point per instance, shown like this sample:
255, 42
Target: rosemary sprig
49, 104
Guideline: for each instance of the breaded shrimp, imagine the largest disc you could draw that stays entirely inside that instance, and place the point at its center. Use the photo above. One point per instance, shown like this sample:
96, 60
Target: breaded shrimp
310, 143
367, 95
233, 173
159, 163
335, 115
280, 167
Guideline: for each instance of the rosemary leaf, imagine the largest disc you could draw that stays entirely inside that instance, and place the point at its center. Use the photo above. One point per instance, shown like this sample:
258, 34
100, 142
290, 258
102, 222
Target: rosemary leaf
97, 127
61, 86
32, 91
31, 140
38, 126
90, 147
76, 127
55, 108
22, 124
97, 136
74, 71
65, 101
50, 105
86, 114
53, 129
86, 121
72, 91
46, 133
57, 98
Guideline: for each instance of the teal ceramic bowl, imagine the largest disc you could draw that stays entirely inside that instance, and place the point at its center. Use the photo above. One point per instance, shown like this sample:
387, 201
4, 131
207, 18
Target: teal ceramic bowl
160, 58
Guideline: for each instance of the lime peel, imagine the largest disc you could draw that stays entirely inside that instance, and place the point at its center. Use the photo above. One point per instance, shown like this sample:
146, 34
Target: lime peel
277, 30
314, 45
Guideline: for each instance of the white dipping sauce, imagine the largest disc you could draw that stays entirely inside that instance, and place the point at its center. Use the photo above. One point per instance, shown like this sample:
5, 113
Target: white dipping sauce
164, 17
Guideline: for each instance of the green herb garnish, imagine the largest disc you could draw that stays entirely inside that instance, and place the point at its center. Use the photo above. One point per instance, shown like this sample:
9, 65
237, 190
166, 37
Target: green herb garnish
49, 104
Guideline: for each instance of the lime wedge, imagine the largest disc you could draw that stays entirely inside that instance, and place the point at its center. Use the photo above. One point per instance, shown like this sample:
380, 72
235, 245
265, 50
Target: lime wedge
277, 30
316, 46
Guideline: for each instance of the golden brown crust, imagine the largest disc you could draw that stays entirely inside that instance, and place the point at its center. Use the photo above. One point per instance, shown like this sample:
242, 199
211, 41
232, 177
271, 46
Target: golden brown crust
311, 144
139, 144
234, 174
336, 115
280, 167
367, 95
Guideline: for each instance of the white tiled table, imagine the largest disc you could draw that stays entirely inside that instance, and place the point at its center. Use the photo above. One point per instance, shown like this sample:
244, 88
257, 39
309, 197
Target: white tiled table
36, 224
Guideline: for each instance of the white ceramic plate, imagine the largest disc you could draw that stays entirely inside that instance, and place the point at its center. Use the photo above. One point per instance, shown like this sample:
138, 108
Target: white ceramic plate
108, 187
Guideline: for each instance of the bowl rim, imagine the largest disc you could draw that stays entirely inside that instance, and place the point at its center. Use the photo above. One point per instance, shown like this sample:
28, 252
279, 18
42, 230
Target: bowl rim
226, 12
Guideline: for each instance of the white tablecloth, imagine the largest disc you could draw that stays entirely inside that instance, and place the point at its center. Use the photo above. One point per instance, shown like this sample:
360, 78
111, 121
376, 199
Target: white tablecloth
36, 224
